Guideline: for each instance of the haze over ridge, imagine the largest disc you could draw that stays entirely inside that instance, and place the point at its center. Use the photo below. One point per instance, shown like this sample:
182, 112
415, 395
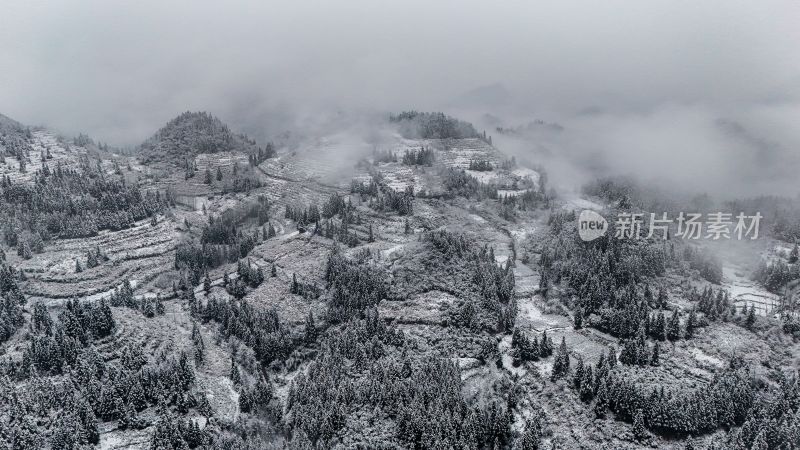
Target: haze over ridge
638, 88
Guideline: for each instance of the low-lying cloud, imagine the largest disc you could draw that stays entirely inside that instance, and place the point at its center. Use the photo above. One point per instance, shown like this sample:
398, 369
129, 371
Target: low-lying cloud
685, 148
700, 95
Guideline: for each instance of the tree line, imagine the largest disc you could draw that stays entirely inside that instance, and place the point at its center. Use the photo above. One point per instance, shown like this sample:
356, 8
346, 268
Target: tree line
12, 301
69, 204
383, 198
432, 125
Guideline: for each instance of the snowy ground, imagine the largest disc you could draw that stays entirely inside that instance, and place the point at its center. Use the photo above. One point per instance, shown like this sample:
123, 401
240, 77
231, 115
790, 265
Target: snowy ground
745, 292
64, 153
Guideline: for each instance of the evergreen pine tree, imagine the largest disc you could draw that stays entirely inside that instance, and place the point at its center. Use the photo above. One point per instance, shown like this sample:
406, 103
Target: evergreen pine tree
91, 259
204, 407
577, 321
529, 348
148, 308
691, 324
128, 417
88, 421
544, 282
642, 352
659, 327
311, 329
662, 297
192, 434
674, 327
532, 437
238, 289
601, 400
545, 346
751, 317
199, 344
587, 385
67, 433
235, 376
136, 396
654, 361
259, 277
639, 430
167, 434
515, 337
103, 320
561, 361
577, 377
207, 284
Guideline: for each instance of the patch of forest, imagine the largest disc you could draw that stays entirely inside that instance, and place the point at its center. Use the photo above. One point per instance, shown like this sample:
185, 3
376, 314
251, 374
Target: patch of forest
62, 388
451, 263
226, 238
432, 125
67, 203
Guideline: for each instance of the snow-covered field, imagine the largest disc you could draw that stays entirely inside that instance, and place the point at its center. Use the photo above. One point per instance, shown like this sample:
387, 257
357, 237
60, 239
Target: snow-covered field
745, 292
67, 155
579, 203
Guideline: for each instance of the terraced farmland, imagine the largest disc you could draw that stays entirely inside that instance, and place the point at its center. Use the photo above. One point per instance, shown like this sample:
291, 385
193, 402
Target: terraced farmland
139, 254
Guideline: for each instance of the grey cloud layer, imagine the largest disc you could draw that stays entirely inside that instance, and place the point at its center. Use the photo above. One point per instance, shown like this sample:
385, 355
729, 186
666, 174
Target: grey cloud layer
667, 76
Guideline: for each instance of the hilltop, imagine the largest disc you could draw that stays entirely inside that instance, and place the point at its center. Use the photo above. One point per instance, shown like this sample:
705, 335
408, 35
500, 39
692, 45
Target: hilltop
193, 133
432, 125
8, 124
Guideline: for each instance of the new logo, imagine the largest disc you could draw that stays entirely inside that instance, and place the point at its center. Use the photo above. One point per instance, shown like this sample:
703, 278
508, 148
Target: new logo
591, 225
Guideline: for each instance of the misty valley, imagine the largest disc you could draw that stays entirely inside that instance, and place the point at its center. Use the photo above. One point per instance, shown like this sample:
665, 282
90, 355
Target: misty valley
416, 225
418, 288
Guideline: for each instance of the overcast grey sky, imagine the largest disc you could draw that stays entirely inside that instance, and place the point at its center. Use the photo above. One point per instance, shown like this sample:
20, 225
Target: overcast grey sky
119, 70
